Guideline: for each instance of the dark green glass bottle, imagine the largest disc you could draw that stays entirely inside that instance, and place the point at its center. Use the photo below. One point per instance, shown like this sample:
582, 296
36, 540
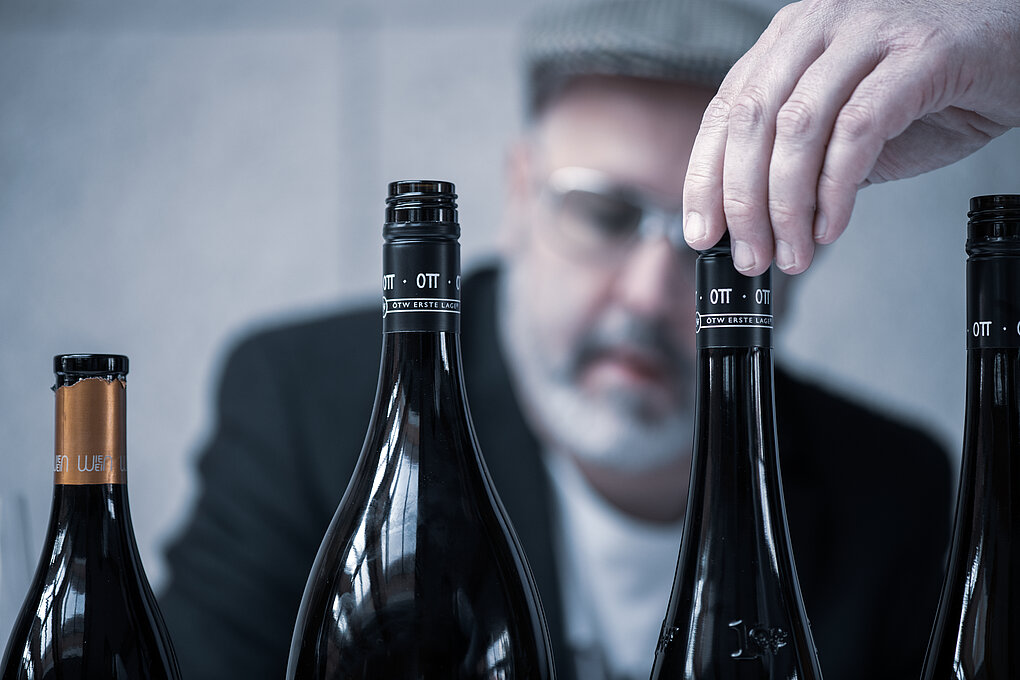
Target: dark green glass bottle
420, 575
977, 629
735, 612
90, 612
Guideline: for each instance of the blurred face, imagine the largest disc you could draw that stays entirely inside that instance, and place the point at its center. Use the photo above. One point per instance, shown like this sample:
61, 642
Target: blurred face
599, 288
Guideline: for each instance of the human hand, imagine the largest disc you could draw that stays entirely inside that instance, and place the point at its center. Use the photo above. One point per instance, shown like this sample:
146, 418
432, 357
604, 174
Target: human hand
839, 94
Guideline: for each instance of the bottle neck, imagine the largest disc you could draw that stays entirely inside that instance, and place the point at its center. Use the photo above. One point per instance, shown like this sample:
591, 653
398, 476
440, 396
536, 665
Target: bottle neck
90, 515
421, 285
992, 426
735, 401
420, 394
993, 400
91, 433
733, 310
993, 301
94, 510
90, 526
423, 366
735, 413
421, 321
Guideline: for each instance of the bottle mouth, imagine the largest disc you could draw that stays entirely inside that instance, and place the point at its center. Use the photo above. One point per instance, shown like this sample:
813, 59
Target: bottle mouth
994, 222
70, 368
994, 203
421, 202
427, 187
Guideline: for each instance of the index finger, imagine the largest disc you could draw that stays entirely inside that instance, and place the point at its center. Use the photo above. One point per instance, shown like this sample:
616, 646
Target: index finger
704, 219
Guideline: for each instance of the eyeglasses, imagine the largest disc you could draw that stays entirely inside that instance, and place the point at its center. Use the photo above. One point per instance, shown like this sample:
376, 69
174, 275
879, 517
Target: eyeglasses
596, 217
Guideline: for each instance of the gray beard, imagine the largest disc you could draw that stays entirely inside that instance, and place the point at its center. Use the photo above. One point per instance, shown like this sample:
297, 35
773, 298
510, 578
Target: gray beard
612, 431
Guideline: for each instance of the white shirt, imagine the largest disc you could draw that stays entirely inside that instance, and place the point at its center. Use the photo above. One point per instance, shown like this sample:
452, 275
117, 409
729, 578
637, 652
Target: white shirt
616, 573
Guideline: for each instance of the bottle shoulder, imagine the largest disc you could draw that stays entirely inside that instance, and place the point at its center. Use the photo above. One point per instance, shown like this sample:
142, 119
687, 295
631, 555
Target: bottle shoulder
423, 501
420, 553
90, 610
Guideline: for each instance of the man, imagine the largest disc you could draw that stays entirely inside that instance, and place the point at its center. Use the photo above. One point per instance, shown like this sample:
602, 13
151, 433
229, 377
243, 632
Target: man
578, 355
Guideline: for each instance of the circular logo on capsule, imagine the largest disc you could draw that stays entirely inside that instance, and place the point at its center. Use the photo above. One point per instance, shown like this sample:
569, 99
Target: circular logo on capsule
697, 322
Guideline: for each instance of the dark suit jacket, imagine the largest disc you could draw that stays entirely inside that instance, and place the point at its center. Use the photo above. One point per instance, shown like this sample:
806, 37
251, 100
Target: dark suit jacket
867, 498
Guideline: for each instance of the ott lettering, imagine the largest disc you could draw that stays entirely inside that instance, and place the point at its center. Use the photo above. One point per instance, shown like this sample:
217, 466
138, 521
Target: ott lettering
720, 296
982, 329
428, 280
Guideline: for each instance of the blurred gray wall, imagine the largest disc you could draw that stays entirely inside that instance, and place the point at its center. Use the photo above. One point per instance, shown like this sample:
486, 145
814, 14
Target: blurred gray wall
172, 176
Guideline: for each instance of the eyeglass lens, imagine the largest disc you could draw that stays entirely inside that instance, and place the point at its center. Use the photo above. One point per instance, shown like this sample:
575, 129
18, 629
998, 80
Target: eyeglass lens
594, 221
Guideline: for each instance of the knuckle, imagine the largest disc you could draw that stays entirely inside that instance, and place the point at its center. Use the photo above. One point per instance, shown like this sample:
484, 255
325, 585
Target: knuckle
855, 121
786, 14
827, 182
796, 119
915, 36
750, 108
833, 186
739, 209
700, 178
717, 114
791, 15
785, 214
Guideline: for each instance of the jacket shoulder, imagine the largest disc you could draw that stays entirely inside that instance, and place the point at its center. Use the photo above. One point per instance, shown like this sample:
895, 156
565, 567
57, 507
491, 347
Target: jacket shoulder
850, 436
329, 337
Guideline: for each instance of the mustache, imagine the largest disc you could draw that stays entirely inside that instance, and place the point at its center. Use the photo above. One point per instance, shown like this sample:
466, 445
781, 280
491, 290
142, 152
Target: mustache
642, 337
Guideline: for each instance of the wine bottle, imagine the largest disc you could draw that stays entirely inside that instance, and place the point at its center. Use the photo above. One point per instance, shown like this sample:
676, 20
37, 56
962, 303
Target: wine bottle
90, 612
976, 635
420, 575
735, 611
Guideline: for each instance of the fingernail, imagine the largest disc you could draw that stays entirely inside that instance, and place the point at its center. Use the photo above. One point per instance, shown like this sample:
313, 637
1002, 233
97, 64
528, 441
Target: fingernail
785, 257
694, 227
743, 256
821, 226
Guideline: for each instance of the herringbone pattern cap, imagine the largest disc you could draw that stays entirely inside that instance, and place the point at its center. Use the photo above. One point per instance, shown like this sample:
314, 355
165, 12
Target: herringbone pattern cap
692, 41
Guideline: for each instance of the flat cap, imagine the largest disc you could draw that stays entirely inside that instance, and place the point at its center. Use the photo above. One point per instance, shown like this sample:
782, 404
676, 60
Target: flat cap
689, 41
